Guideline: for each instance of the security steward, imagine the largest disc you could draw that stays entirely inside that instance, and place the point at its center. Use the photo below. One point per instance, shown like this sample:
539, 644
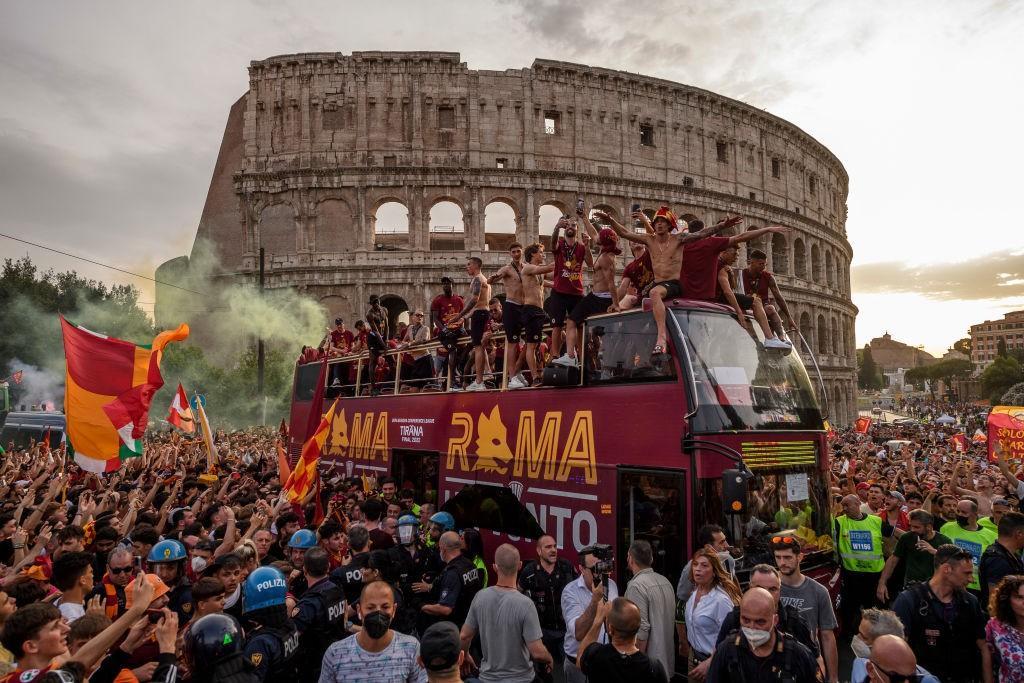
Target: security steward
214, 649
167, 560
758, 651
319, 615
455, 588
300, 542
542, 580
273, 641
417, 565
858, 539
349, 576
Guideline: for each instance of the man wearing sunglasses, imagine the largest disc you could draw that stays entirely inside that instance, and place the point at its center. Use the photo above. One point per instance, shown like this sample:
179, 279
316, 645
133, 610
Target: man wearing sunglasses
120, 572
892, 661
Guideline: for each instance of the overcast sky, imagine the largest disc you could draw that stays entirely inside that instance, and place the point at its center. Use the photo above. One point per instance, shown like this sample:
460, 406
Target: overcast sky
112, 113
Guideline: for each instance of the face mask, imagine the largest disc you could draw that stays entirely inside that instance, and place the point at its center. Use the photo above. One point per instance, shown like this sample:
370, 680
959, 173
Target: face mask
961, 520
756, 637
406, 535
376, 624
860, 648
198, 564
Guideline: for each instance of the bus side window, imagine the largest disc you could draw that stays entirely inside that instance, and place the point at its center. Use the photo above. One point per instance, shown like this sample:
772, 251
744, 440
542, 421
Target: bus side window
619, 351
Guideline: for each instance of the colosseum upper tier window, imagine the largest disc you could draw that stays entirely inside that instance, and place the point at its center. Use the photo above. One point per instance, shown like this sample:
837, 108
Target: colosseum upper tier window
446, 117
776, 167
647, 135
551, 120
720, 147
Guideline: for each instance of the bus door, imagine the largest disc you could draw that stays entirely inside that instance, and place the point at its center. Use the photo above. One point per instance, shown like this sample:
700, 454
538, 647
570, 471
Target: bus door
652, 508
418, 470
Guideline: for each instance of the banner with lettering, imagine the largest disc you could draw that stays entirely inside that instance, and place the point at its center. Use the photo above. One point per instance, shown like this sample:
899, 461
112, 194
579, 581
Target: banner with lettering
1006, 425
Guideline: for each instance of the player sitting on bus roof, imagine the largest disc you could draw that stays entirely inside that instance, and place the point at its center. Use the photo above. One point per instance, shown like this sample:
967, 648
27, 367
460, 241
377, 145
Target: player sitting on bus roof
534, 316
637, 278
666, 252
600, 299
757, 280
741, 302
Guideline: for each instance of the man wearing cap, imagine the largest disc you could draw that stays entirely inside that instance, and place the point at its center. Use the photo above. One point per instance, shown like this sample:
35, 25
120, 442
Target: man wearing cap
600, 299
894, 520
666, 252
441, 653
422, 368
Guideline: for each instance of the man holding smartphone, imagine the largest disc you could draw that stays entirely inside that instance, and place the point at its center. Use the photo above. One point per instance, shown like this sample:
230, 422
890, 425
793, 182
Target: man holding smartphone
915, 550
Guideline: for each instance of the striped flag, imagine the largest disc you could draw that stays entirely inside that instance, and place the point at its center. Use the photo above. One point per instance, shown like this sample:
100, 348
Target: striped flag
109, 386
304, 475
180, 414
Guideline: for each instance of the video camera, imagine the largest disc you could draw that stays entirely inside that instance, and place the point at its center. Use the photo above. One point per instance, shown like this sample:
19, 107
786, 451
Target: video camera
604, 565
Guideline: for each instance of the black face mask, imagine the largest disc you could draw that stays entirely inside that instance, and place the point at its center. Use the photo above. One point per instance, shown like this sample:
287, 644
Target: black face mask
376, 624
961, 520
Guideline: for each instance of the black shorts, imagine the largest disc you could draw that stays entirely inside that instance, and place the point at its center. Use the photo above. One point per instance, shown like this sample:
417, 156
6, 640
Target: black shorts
374, 343
534, 319
423, 367
745, 301
512, 319
591, 304
478, 325
673, 288
560, 305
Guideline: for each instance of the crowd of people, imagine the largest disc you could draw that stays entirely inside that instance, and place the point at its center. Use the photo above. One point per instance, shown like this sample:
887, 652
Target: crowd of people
165, 572
536, 321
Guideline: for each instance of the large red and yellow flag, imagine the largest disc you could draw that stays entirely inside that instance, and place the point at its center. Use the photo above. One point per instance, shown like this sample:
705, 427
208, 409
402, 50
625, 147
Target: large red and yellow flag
304, 475
1006, 426
109, 387
862, 425
180, 414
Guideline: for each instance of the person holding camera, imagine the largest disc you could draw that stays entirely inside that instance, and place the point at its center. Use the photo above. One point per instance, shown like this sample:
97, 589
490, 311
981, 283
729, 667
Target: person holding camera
579, 604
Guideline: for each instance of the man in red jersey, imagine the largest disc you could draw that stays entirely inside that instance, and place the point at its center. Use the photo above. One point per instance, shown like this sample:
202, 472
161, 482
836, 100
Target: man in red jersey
757, 280
567, 289
445, 310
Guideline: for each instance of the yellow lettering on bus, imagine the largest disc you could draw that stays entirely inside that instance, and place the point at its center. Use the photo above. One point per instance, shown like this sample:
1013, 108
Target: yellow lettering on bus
362, 435
540, 451
579, 449
337, 443
380, 438
492, 451
457, 446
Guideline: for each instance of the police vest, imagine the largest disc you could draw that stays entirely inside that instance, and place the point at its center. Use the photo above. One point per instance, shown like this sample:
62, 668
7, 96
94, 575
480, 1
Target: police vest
943, 648
974, 542
472, 583
860, 543
328, 627
283, 645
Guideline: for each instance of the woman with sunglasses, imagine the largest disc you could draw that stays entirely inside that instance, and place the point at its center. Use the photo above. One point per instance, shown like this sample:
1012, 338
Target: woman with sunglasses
1004, 632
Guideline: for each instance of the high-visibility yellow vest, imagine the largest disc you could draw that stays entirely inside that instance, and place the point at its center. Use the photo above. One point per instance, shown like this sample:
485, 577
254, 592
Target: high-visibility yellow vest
860, 543
974, 542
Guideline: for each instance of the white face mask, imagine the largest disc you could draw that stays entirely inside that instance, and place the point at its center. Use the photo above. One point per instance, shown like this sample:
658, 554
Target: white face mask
198, 564
860, 648
756, 637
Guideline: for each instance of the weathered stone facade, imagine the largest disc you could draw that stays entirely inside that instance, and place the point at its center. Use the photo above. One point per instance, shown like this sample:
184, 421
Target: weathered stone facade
322, 140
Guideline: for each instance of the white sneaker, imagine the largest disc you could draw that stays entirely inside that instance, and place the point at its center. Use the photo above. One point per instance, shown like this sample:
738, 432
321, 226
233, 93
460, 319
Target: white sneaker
516, 383
476, 386
775, 343
566, 360
522, 379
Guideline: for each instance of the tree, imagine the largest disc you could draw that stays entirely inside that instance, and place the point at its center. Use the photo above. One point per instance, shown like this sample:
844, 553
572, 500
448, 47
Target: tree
999, 376
1001, 348
943, 370
1014, 395
868, 376
964, 346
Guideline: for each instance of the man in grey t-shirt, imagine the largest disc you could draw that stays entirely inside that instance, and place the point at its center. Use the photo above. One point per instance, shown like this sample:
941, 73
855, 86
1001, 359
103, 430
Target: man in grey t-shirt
508, 625
810, 598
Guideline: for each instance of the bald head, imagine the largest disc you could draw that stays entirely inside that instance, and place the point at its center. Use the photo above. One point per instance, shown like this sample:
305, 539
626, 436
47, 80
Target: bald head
624, 619
758, 610
894, 655
450, 541
851, 505
506, 560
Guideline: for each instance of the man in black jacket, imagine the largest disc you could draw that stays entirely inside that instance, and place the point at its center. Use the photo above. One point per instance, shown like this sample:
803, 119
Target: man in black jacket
1002, 557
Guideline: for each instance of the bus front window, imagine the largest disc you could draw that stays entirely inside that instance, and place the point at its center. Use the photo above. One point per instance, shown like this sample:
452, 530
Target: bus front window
739, 383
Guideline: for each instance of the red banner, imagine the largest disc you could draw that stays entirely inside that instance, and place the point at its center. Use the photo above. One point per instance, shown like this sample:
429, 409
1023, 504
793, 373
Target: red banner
1006, 425
862, 425
959, 442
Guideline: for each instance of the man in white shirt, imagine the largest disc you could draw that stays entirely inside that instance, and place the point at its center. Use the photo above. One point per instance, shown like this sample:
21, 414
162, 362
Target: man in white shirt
72, 574
579, 607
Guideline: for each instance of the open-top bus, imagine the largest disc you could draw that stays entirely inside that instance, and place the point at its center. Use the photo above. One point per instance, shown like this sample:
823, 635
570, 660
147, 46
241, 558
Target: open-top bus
630, 449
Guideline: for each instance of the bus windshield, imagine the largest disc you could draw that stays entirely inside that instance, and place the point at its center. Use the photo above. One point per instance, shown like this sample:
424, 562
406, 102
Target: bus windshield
794, 501
739, 383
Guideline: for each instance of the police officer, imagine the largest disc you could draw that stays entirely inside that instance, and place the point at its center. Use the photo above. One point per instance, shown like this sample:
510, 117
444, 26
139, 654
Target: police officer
319, 615
417, 565
273, 641
214, 650
349, 576
301, 541
455, 588
440, 522
167, 560
542, 580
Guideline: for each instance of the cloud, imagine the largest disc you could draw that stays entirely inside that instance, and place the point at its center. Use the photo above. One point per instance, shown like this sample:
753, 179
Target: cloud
997, 275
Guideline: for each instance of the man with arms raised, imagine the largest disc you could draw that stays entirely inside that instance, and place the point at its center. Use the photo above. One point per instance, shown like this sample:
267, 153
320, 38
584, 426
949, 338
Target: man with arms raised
567, 290
511, 278
666, 252
534, 317
478, 314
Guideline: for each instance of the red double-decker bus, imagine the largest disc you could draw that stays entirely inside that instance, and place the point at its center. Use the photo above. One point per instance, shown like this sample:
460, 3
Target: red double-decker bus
626, 449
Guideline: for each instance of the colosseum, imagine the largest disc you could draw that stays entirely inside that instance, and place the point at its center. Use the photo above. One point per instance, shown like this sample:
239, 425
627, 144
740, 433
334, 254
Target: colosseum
379, 172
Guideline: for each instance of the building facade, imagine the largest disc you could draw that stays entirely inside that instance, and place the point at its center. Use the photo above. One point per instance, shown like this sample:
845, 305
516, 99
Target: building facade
891, 355
322, 143
985, 338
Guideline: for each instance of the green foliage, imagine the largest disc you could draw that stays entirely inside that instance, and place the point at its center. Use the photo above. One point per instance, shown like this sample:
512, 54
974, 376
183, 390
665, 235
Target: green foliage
963, 346
1001, 348
1014, 396
943, 370
999, 376
868, 375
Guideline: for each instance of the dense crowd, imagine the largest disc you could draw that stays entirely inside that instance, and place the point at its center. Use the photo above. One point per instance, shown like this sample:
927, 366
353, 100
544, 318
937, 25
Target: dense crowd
511, 331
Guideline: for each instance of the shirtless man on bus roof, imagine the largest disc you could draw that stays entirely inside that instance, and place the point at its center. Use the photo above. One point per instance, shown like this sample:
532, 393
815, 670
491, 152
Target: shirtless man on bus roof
601, 297
534, 316
666, 252
511, 278
479, 314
